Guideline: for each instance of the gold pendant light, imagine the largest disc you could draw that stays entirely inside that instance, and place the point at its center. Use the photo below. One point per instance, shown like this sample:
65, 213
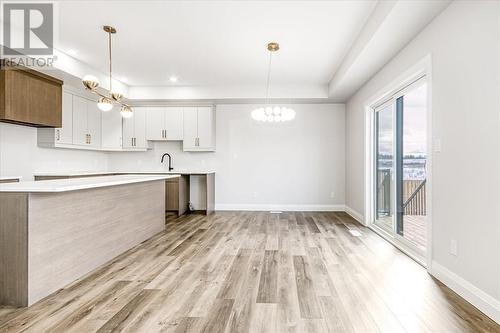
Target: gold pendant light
106, 102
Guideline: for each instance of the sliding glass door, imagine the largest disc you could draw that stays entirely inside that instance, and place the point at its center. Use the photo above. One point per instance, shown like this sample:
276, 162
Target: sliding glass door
411, 163
400, 158
384, 167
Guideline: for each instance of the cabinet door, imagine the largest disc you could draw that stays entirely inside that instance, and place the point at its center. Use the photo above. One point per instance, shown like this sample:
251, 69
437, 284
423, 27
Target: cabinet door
44, 101
94, 124
79, 121
111, 133
190, 128
140, 127
206, 128
155, 124
128, 132
174, 124
65, 133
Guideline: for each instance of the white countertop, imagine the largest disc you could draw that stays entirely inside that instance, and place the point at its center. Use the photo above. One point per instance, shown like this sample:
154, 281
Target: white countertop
135, 172
73, 184
10, 177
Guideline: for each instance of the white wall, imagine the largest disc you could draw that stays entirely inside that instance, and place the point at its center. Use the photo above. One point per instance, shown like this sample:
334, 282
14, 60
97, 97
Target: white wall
20, 156
293, 165
464, 44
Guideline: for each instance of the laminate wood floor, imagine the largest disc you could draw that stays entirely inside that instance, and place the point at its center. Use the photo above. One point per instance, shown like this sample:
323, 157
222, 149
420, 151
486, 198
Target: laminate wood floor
255, 272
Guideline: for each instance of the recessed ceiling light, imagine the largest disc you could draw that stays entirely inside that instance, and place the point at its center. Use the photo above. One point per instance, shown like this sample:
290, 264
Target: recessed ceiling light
71, 52
173, 79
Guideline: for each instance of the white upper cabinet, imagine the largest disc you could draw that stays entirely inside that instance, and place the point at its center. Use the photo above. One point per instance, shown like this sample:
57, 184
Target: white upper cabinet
111, 130
134, 130
140, 128
206, 128
164, 123
94, 127
190, 129
199, 129
155, 124
86, 123
174, 123
80, 133
84, 126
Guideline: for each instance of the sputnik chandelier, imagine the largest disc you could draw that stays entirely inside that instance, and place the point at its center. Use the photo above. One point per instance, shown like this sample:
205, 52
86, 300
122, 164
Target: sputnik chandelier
272, 113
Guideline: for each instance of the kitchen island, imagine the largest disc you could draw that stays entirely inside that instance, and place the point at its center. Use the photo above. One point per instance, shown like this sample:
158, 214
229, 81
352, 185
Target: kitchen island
193, 185
55, 231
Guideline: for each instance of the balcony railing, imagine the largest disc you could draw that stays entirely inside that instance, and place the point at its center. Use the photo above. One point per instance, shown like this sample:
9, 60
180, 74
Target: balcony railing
414, 195
415, 204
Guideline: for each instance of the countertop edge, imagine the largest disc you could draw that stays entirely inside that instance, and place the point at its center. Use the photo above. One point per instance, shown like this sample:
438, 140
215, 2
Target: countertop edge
11, 188
70, 174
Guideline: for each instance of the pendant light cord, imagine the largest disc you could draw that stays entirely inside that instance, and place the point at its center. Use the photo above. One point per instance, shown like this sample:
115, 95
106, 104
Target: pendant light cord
110, 78
268, 76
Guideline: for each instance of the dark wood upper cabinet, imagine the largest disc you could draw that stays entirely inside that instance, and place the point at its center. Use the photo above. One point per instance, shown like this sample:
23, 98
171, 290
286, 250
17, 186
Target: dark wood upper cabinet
30, 98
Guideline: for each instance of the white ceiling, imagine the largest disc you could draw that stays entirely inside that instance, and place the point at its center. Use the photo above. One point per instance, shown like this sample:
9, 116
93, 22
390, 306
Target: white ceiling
217, 49
210, 43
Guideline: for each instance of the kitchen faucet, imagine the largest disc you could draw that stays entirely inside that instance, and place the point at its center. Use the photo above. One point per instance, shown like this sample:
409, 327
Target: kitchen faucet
169, 161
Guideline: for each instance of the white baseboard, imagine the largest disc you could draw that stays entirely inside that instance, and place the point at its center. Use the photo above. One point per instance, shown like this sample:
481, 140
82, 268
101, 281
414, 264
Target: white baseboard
355, 215
481, 300
278, 207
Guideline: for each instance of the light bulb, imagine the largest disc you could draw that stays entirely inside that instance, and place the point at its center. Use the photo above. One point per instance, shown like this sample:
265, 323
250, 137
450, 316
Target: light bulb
104, 104
126, 112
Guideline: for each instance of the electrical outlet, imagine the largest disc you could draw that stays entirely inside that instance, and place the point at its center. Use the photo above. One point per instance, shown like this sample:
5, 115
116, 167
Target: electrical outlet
454, 247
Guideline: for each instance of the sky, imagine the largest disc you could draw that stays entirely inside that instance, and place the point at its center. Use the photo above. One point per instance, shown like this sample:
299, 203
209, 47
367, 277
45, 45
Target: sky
414, 124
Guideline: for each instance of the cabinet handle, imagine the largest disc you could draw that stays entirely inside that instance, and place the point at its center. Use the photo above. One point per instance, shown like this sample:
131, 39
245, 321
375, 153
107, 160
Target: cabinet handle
90, 138
58, 135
